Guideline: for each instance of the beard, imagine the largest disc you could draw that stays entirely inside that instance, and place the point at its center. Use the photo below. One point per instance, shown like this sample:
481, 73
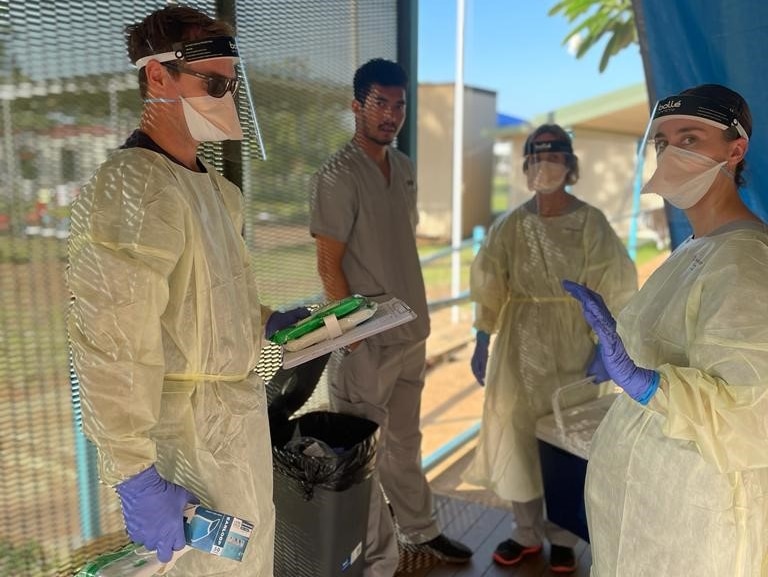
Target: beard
380, 135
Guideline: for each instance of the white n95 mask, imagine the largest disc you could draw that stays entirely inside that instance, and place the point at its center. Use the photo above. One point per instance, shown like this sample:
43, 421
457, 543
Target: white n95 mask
545, 176
212, 119
682, 177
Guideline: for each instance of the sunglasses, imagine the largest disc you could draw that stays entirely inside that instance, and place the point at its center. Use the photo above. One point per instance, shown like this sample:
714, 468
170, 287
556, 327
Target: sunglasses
216, 86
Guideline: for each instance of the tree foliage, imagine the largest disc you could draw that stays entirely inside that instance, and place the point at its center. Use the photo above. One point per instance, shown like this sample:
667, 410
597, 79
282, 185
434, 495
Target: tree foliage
595, 19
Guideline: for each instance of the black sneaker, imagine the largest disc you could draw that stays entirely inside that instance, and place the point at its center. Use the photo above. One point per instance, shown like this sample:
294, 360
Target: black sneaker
562, 559
448, 550
511, 552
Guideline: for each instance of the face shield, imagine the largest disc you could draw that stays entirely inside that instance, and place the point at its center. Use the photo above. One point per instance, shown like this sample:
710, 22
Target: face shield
546, 164
691, 107
211, 118
683, 177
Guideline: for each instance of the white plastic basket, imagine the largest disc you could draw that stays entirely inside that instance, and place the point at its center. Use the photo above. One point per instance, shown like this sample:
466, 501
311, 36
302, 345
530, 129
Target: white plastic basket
571, 427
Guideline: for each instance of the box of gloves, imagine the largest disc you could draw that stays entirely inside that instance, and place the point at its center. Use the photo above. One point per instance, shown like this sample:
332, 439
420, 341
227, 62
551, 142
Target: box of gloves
216, 533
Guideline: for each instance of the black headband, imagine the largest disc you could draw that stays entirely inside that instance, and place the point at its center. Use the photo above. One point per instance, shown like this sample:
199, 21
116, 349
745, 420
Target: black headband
215, 47
548, 146
701, 107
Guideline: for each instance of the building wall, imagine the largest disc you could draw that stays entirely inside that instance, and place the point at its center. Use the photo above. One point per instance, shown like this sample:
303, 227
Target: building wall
435, 158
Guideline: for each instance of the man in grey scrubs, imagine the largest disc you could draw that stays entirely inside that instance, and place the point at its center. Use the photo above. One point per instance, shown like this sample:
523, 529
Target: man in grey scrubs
363, 218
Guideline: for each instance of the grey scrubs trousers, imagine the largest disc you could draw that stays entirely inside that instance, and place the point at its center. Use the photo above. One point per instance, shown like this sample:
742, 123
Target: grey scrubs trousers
384, 384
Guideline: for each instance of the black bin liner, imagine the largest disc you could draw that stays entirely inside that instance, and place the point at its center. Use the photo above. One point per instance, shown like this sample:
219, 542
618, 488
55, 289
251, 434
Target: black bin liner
352, 441
349, 441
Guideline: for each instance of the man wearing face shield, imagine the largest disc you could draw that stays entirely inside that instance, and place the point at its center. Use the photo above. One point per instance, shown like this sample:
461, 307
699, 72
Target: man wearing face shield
677, 481
542, 341
165, 323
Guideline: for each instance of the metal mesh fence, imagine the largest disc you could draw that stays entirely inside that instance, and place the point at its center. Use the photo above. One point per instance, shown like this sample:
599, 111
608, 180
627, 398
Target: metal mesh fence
69, 96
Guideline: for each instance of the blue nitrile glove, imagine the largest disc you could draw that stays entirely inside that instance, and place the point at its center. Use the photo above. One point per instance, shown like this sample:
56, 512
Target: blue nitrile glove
279, 320
480, 356
639, 383
596, 368
153, 509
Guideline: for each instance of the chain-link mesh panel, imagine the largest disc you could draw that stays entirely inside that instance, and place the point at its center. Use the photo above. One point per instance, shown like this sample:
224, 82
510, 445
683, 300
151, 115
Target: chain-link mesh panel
300, 59
68, 96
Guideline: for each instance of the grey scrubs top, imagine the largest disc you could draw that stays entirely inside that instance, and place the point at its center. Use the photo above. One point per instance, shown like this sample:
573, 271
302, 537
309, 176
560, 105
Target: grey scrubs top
352, 203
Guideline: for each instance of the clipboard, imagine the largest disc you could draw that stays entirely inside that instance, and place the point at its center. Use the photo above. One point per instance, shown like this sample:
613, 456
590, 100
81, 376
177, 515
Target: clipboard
388, 315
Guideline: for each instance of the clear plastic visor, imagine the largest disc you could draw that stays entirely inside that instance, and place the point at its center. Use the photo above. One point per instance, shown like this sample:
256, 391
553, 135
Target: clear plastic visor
688, 107
215, 48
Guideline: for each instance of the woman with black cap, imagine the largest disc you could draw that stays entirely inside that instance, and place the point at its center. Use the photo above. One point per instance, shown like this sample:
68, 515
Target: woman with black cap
677, 481
542, 341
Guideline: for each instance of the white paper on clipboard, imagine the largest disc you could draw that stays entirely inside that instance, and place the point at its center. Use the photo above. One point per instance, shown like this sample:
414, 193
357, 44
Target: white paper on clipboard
388, 315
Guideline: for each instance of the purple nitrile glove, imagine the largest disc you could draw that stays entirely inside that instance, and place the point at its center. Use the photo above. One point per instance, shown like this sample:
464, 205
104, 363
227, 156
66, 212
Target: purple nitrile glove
279, 320
639, 383
596, 368
479, 361
153, 509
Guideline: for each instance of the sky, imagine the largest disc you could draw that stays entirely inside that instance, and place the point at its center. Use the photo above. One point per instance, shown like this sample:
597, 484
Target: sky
515, 49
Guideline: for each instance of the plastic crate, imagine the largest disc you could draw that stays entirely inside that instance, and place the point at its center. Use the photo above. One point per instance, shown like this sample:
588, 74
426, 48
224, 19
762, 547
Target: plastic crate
564, 438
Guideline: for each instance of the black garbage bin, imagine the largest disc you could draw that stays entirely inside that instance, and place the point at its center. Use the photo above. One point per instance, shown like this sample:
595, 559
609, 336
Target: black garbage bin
322, 465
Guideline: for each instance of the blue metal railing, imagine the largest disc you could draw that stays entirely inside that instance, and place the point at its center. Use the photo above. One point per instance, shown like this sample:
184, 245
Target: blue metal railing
446, 450
85, 459
447, 251
637, 186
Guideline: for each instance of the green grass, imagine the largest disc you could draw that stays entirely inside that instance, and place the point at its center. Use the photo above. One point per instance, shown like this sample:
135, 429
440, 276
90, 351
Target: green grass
646, 252
438, 272
500, 195
26, 559
286, 274
27, 249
